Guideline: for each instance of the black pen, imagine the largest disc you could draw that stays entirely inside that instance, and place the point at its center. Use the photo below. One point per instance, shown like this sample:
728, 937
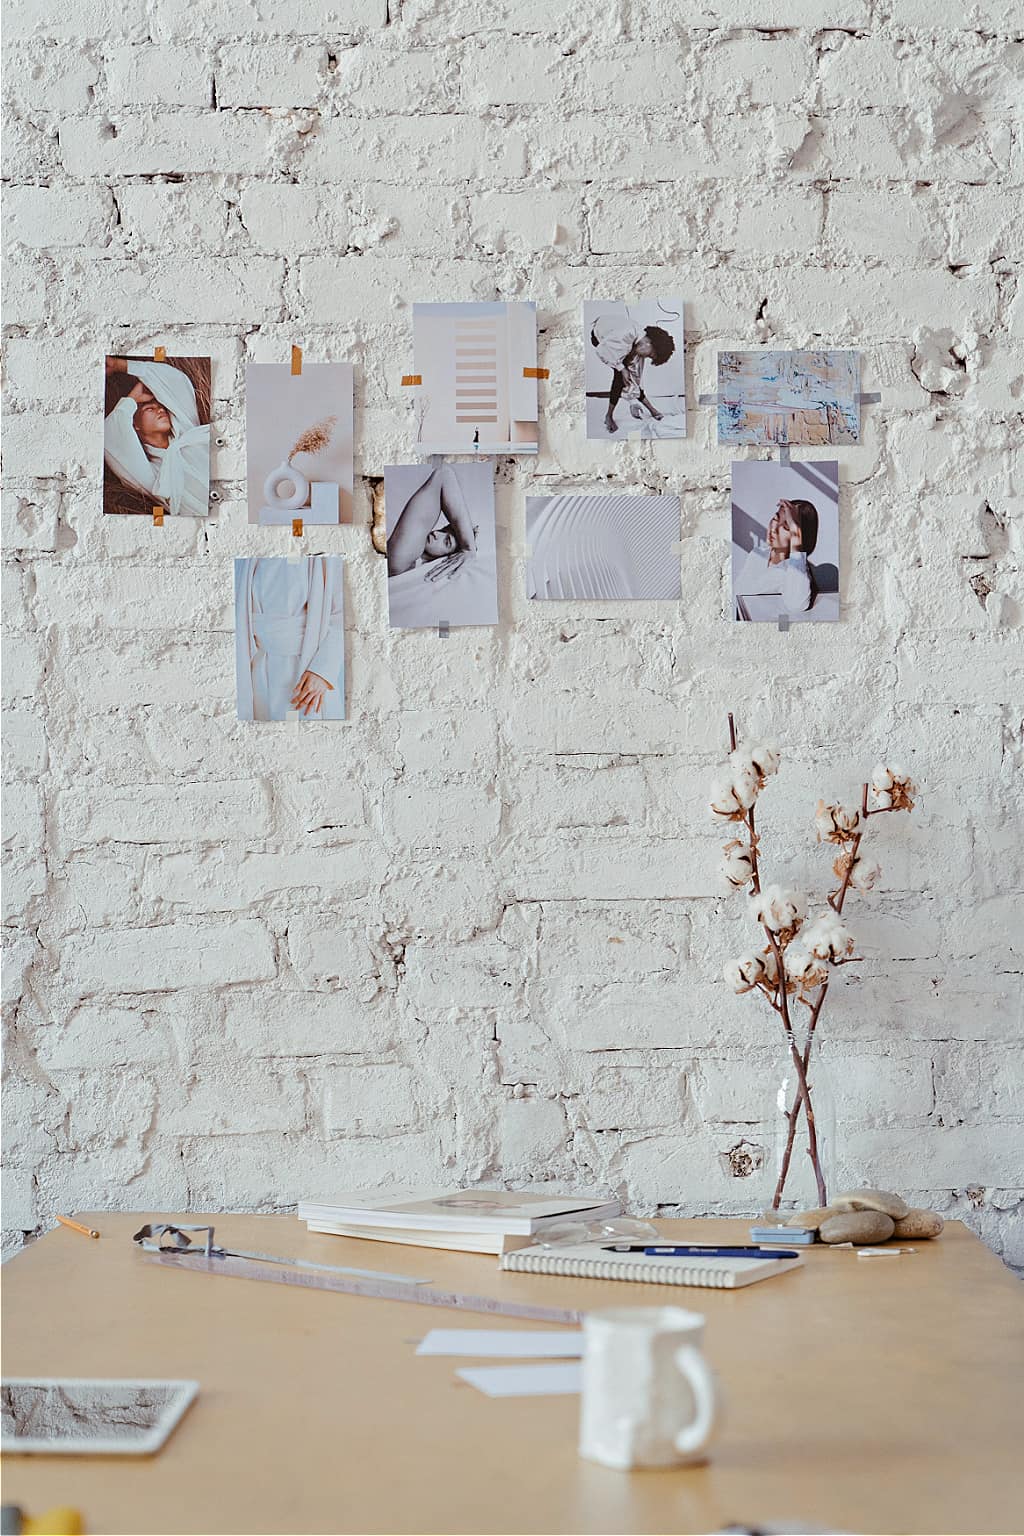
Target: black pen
692, 1251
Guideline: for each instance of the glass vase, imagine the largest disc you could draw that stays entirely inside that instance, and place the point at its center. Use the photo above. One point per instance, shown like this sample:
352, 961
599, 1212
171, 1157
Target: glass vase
802, 1152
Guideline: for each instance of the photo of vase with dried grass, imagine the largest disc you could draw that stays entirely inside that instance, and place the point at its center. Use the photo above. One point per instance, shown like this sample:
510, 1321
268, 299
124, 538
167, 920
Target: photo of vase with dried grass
796, 963
299, 442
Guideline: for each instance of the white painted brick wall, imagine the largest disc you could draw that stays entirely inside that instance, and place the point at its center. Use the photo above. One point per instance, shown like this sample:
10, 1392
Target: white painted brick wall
474, 933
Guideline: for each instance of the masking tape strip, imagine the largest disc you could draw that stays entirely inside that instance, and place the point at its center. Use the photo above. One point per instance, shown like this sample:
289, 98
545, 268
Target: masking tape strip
411, 378
159, 354
296, 359
872, 398
296, 527
677, 547
783, 623
710, 399
536, 373
443, 629
158, 517
784, 453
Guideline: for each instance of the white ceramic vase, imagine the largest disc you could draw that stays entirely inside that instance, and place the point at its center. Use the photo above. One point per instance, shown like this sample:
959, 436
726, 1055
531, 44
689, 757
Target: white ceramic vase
286, 474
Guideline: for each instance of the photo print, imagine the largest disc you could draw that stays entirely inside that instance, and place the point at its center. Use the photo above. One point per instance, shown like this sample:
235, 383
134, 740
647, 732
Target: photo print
156, 436
474, 362
603, 547
789, 397
442, 562
634, 368
298, 433
785, 541
290, 638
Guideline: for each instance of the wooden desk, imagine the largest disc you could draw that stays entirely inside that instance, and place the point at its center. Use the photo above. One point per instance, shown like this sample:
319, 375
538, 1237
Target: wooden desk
861, 1395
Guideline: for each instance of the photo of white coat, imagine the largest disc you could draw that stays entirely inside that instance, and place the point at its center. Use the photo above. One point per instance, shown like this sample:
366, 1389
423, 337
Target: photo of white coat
298, 443
477, 366
603, 547
634, 368
785, 541
290, 638
441, 553
156, 436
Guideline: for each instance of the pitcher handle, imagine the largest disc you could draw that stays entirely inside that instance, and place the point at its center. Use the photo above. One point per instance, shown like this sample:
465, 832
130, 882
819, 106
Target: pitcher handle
695, 1436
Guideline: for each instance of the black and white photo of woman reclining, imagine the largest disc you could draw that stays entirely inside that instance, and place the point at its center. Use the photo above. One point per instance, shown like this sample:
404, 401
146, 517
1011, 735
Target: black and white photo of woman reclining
442, 567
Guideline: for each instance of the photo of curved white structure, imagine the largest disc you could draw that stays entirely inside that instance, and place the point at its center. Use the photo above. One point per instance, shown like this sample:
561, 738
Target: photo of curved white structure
603, 547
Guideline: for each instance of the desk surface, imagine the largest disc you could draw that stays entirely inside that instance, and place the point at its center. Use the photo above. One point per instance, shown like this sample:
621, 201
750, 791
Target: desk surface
867, 1395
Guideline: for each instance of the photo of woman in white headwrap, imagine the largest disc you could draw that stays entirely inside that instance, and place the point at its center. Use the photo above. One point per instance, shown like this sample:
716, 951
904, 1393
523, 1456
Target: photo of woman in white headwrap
290, 638
156, 436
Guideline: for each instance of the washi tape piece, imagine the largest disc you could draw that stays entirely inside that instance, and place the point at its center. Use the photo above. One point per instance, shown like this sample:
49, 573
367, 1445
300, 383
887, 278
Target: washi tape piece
874, 398
296, 527
296, 359
158, 517
784, 453
411, 378
783, 623
536, 373
709, 399
443, 629
159, 354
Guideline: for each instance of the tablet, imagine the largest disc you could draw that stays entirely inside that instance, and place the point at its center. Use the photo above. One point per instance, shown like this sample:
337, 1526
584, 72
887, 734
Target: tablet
60, 1416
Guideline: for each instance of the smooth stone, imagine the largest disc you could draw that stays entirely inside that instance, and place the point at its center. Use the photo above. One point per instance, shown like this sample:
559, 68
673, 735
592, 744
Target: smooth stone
810, 1221
857, 1227
873, 1200
920, 1223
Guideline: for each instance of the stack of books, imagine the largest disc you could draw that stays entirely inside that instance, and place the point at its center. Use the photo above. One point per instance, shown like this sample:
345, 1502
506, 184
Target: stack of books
472, 1220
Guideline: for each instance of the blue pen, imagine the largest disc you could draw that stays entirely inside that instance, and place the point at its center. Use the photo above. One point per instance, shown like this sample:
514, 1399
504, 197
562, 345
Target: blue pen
684, 1251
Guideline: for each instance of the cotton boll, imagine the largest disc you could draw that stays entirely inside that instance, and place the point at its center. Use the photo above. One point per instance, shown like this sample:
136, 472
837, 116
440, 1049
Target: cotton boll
765, 757
803, 967
827, 937
744, 973
892, 788
836, 823
727, 802
777, 907
746, 780
865, 874
737, 866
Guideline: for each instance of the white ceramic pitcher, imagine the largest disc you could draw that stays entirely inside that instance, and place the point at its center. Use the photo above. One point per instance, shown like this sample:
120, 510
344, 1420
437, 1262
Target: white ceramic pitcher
649, 1399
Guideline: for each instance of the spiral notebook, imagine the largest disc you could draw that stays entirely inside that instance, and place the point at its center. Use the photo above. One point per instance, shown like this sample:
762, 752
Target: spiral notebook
595, 1261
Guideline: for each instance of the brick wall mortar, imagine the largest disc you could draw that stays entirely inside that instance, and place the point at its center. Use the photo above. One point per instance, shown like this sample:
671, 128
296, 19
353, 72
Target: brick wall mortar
475, 933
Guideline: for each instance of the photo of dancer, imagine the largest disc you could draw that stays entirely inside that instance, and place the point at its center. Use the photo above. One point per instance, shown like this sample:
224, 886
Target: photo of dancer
442, 565
782, 515
156, 436
290, 638
634, 353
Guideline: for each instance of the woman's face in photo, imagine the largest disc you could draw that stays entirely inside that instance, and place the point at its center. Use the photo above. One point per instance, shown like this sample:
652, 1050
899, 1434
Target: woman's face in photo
439, 542
780, 527
152, 421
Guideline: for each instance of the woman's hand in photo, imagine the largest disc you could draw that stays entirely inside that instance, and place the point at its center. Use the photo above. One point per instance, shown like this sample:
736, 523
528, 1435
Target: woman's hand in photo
139, 393
116, 365
308, 697
791, 527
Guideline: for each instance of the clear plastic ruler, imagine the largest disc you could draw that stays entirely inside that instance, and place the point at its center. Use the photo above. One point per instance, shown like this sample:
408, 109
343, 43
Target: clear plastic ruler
382, 1290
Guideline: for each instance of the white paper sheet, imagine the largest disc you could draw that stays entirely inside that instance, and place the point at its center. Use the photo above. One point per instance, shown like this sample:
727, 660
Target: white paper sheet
502, 1344
525, 1380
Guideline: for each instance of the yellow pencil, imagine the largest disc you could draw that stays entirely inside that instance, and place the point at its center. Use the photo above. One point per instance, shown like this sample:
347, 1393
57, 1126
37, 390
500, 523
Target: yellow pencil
76, 1226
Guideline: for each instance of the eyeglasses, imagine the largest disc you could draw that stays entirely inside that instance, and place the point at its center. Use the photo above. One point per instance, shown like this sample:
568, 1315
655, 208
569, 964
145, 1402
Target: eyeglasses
614, 1230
